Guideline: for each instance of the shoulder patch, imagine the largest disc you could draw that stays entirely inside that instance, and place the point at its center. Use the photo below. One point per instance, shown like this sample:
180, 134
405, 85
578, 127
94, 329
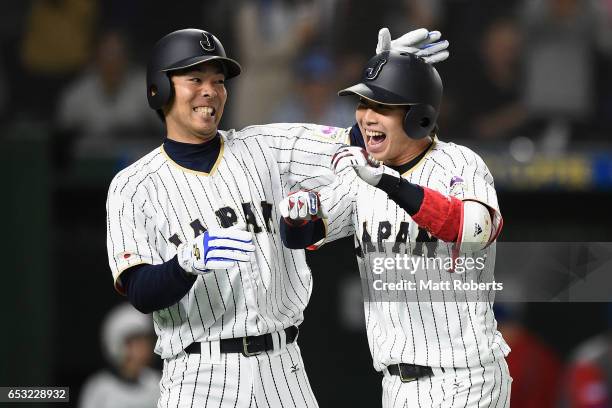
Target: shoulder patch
332, 134
457, 187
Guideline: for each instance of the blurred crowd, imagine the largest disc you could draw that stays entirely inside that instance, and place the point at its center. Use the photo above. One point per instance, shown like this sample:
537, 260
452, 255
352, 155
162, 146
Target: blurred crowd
530, 73
544, 378
535, 70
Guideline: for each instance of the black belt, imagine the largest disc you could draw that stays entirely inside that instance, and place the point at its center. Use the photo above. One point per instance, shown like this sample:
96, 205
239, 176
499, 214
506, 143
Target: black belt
409, 372
248, 346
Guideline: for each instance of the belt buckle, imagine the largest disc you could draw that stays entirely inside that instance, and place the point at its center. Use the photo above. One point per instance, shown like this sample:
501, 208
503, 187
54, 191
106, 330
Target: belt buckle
245, 348
401, 375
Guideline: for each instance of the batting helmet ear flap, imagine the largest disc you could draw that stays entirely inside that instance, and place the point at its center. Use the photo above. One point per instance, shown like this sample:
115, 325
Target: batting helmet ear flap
159, 90
420, 120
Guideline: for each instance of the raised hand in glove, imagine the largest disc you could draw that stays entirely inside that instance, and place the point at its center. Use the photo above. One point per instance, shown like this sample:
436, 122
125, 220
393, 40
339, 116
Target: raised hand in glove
219, 248
367, 168
422, 43
301, 206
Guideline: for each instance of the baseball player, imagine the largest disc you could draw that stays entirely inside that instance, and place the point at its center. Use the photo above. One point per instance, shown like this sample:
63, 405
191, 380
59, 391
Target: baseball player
407, 192
192, 233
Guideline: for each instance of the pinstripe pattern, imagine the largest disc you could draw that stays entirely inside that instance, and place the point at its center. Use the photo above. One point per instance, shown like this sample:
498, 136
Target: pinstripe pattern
270, 380
485, 386
154, 205
449, 333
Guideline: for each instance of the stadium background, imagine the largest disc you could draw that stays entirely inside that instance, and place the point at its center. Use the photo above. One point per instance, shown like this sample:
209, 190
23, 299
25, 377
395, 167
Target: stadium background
528, 86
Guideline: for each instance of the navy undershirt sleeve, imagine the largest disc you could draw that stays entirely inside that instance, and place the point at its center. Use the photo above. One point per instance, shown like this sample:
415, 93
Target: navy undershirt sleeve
155, 287
407, 195
301, 236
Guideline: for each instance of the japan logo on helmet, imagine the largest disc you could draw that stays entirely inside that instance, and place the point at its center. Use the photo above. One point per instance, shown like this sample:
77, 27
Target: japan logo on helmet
372, 72
206, 43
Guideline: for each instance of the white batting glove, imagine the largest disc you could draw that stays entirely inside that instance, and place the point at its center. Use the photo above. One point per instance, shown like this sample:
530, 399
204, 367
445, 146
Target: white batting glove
301, 206
367, 168
218, 248
422, 43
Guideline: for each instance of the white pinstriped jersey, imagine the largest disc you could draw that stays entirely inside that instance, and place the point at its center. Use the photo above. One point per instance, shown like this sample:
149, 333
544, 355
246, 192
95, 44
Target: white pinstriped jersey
445, 333
154, 205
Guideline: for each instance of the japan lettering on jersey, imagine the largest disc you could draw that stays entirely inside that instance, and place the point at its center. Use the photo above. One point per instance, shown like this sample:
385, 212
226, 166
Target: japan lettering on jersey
154, 205
449, 332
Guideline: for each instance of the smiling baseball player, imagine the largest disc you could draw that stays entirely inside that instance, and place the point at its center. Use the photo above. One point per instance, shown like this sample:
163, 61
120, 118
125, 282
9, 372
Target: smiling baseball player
441, 353
192, 234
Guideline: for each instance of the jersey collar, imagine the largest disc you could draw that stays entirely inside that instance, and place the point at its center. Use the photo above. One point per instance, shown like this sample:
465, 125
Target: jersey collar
410, 165
202, 158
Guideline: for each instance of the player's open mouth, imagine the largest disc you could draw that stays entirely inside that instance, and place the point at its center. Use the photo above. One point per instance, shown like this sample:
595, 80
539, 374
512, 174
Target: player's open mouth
206, 111
374, 138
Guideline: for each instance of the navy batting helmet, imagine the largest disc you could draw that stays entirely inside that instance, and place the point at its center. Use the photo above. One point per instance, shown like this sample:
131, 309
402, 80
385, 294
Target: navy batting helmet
178, 50
392, 78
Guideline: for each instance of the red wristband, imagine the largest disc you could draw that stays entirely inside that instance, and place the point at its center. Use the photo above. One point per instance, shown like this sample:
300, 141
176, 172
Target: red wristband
440, 215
